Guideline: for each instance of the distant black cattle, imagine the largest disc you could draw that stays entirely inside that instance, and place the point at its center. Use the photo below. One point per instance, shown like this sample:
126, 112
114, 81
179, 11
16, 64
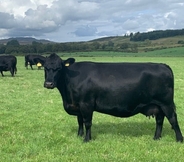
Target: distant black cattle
118, 89
37, 60
8, 63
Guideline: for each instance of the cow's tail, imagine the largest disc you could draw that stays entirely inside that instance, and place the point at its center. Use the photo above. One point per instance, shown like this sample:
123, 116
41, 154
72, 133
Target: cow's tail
172, 84
15, 70
26, 61
15, 66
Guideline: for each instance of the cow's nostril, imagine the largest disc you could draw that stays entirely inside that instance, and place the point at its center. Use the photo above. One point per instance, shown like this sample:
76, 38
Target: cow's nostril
49, 85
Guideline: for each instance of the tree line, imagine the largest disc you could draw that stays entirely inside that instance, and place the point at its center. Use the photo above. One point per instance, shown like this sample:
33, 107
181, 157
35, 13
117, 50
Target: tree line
153, 35
13, 47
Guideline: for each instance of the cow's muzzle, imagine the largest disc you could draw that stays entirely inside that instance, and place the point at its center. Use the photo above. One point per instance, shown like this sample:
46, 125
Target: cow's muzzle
49, 85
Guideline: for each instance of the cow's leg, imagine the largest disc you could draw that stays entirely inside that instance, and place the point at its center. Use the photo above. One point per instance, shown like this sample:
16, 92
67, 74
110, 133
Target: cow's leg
174, 123
88, 124
15, 69
80, 123
159, 125
31, 66
172, 117
12, 71
87, 115
26, 64
2, 73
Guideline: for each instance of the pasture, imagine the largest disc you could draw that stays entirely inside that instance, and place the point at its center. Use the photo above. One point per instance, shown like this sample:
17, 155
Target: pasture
34, 126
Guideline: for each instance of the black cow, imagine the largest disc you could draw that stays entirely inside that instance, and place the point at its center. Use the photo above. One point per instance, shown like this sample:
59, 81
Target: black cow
34, 60
118, 89
8, 63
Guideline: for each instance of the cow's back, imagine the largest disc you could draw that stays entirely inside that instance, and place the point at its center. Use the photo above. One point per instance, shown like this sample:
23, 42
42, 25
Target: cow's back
10, 59
119, 73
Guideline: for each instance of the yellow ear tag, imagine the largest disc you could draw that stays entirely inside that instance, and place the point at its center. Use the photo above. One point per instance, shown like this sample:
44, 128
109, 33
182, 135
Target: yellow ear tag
39, 64
67, 64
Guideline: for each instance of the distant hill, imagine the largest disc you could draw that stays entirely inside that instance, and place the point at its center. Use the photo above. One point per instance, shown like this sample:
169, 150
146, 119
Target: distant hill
136, 43
25, 40
122, 43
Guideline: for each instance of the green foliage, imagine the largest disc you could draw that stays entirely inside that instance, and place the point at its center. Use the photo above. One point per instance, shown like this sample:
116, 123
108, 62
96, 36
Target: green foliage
153, 35
34, 126
180, 42
13, 42
12, 47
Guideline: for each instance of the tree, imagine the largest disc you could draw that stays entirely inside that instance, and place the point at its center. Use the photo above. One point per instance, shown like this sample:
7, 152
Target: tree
11, 50
124, 46
110, 43
2, 49
37, 47
96, 45
13, 42
131, 35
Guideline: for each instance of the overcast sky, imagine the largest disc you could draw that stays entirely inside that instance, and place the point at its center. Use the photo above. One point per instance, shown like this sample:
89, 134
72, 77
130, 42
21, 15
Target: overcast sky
83, 20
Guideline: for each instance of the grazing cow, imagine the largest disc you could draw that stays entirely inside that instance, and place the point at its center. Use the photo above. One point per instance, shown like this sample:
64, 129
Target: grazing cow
37, 60
8, 63
118, 89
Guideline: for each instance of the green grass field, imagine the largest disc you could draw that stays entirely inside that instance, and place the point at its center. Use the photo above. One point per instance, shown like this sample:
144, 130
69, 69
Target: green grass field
35, 128
168, 52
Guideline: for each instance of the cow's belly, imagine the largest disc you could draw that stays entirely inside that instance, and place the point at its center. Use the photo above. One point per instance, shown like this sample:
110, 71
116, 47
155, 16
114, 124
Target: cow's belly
115, 111
116, 104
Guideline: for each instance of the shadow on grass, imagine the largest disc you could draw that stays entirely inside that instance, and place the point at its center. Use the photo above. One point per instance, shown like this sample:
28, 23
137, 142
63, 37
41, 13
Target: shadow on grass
129, 129
10, 76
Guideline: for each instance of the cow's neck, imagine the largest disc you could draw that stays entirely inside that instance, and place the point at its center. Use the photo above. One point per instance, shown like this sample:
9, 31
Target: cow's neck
62, 87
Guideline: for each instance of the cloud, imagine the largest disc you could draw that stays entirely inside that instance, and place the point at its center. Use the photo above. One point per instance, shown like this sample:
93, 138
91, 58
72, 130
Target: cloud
7, 21
75, 20
85, 31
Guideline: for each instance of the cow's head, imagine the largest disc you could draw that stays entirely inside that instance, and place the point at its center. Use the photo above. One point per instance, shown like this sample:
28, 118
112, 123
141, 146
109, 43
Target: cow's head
55, 67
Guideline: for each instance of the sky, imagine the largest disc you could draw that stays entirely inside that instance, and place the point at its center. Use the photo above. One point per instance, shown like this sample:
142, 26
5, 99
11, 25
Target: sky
84, 20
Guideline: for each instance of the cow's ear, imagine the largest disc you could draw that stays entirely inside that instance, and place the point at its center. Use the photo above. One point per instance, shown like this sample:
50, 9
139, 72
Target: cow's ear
69, 61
